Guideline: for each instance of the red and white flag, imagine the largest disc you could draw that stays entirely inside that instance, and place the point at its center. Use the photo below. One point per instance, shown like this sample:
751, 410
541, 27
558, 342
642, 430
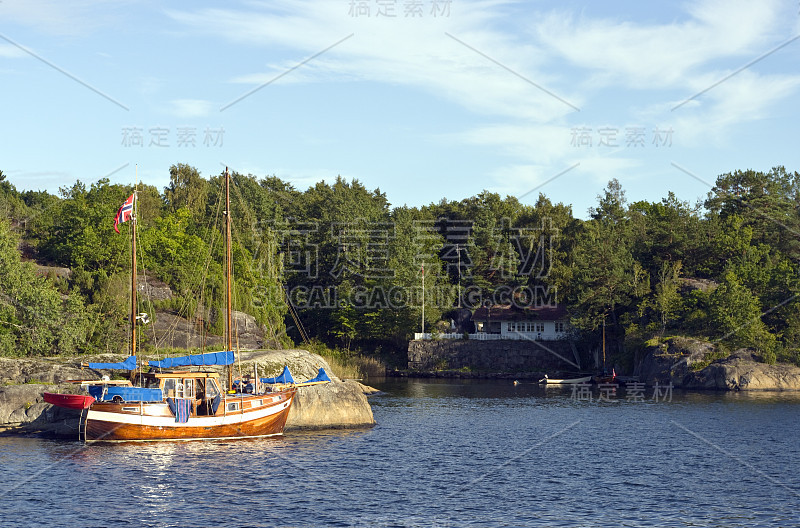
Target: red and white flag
125, 212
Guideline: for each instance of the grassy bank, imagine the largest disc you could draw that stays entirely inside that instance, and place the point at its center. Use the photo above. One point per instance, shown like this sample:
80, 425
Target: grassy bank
348, 364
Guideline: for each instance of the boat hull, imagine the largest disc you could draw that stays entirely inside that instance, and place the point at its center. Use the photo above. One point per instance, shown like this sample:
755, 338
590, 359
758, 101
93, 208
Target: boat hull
573, 381
68, 401
129, 422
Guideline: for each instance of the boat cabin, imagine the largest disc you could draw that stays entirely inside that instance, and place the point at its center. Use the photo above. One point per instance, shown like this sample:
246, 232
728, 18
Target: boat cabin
200, 387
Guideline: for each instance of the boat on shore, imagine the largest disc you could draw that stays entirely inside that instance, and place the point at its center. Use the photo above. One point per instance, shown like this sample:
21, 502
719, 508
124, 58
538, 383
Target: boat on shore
556, 381
171, 402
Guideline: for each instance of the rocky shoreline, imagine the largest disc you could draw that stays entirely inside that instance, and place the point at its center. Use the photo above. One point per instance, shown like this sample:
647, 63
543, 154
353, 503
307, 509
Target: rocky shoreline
686, 363
464, 374
340, 404
689, 363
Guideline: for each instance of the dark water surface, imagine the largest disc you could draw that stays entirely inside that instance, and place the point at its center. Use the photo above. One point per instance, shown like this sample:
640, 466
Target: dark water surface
444, 454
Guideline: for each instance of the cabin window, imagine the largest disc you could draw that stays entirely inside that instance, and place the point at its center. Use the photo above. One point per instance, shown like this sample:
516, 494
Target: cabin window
184, 389
169, 388
212, 390
233, 406
188, 388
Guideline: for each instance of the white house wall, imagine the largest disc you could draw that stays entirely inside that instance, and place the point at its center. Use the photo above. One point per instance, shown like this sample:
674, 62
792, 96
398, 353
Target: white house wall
544, 330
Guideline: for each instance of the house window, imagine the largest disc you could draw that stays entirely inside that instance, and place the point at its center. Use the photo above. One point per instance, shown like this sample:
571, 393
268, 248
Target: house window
540, 327
559, 327
510, 327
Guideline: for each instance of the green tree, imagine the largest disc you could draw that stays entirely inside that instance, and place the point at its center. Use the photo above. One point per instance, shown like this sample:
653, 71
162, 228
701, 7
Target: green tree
186, 189
605, 275
736, 315
767, 203
667, 300
34, 320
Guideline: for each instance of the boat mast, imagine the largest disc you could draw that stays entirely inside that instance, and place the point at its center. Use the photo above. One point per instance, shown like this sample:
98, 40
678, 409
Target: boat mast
228, 268
423, 299
604, 343
133, 277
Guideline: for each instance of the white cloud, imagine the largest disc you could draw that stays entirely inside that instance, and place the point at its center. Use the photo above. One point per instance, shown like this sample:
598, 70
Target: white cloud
490, 67
541, 144
744, 98
601, 169
659, 56
11, 52
415, 52
189, 108
74, 18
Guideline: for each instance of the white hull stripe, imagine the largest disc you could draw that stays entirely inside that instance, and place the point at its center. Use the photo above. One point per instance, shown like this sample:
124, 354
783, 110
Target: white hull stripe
200, 421
210, 438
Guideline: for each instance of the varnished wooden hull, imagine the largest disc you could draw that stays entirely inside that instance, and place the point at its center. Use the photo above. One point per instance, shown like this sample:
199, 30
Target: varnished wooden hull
126, 422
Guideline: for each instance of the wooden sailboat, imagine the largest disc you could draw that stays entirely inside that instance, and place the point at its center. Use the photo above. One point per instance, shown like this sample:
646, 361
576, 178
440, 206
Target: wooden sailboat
605, 377
180, 404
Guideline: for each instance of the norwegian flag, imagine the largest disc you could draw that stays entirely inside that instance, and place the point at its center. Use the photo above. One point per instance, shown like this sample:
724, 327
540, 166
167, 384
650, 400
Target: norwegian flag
125, 212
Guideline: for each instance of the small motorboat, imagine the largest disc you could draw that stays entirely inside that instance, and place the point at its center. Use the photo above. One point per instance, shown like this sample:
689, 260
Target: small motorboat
554, 381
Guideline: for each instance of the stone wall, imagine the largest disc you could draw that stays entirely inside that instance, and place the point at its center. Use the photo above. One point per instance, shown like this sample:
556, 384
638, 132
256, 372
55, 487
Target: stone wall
492, 356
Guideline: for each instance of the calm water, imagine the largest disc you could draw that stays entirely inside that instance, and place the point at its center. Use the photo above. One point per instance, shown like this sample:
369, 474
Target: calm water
444, 454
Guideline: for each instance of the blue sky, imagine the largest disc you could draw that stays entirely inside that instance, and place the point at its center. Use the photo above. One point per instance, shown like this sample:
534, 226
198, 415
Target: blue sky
518, 97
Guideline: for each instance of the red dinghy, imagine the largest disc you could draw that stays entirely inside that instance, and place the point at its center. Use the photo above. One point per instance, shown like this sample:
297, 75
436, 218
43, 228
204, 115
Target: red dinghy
69, 401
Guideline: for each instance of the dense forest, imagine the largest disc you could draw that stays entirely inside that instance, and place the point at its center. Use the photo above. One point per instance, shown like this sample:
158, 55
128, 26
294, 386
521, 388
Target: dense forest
338, 264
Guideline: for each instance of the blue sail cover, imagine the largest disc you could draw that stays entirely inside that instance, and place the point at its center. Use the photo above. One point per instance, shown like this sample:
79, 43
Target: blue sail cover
196, 360
285, 377
322, 376
128, 394
128, 364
